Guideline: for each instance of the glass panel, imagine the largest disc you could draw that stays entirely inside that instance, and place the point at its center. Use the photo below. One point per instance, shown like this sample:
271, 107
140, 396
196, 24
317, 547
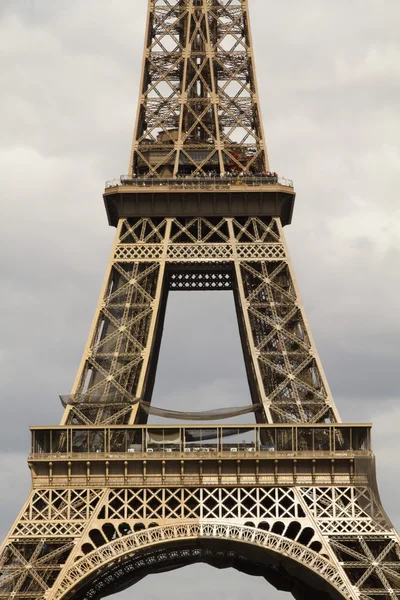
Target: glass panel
238, 439
41, 442
135, 440
342, 438
96, 440
268, 438
199, 439
118, 441
305, 441
80, 440
59, 441
247, 439
322, 438
361, 438
284, 439
163, 440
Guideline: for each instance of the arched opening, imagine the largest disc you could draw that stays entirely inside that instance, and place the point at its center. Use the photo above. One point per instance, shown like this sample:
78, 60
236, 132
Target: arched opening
283, 563
199, 582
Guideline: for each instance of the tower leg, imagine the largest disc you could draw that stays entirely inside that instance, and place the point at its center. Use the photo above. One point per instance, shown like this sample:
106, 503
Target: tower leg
119, 361
284, 370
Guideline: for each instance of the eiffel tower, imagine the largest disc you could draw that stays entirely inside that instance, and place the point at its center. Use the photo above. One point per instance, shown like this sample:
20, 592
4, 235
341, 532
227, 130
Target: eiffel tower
293, 496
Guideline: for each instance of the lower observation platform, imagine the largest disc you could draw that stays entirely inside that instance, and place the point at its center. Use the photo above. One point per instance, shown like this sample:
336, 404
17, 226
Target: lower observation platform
199, 197
192, 455
281, 440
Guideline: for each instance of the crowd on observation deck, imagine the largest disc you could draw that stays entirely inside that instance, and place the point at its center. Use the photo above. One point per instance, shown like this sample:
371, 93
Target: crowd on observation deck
233, 174
211, 177
214, 174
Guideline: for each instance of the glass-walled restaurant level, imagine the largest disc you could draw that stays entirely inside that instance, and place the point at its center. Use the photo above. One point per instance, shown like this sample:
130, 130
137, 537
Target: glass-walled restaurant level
191, 440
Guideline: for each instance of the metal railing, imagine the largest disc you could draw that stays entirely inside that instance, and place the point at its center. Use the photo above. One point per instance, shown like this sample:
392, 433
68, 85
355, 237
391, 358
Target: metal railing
200, 182
226, 453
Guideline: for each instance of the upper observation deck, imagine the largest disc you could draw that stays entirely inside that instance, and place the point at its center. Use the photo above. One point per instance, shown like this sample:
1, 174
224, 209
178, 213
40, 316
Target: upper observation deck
208, 195
199, 131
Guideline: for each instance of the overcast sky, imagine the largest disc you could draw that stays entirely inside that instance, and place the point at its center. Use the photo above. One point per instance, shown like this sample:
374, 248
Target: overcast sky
329, 81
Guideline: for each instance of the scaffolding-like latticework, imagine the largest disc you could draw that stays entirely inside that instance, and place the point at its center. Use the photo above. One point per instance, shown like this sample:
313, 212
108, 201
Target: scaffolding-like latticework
113, 498
198, 110
154, 256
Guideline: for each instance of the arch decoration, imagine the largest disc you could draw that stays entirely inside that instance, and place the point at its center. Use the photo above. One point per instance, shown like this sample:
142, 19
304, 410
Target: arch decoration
122, 548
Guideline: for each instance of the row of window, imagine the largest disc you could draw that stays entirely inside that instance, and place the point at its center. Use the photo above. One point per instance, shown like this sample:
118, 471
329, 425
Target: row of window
192, 440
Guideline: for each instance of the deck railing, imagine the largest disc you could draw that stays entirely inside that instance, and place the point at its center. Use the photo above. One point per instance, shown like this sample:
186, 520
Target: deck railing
204, 182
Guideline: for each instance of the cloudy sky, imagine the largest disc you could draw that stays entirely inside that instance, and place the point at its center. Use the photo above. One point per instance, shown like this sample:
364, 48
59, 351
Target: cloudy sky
329, 81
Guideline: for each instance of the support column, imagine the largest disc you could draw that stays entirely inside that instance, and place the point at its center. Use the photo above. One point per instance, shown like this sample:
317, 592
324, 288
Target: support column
284, 370
151, 351
249, 349
115, 368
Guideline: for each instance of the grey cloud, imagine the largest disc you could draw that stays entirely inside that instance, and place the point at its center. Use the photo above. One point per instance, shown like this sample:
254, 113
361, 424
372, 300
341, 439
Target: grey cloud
14, 488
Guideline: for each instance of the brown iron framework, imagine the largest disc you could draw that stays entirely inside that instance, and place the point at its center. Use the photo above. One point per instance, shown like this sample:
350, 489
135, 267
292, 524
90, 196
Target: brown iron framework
199, 106
292, 498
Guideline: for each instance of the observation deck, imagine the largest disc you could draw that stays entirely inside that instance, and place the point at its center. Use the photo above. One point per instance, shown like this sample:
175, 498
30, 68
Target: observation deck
145, 455
224, 196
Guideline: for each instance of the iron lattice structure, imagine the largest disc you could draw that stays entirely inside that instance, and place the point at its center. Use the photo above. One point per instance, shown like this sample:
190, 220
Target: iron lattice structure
292, 498
199, 106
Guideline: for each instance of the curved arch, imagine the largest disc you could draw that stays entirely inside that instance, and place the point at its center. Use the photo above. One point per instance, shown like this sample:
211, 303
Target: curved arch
121, 549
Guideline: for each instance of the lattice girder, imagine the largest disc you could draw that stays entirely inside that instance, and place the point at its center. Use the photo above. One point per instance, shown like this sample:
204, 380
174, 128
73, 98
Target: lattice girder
207, 530
152, 256
323, 528
200, 210
198, 110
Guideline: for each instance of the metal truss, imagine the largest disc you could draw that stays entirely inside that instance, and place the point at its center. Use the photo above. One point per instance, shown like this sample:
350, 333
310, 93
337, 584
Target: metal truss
213, 530
198, 109
185, 277
152, 256
301, 508
65, 539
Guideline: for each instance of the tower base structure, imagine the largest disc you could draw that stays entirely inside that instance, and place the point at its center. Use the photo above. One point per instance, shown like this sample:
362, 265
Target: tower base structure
114, 499
296, 505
